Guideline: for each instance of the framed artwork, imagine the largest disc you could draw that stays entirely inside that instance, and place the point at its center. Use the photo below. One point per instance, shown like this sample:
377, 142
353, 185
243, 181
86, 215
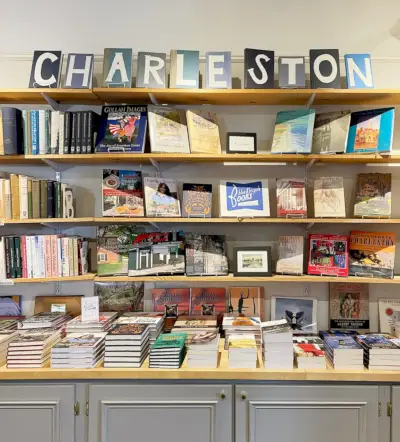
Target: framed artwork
241, 142
301, 313
252, 261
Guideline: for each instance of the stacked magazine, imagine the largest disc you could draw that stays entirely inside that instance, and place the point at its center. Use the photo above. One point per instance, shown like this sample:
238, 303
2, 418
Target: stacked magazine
278, 344
203, 350
78, 350
155, 321
44, 320
102, 325
242, 351
127, 345
242, 325
343, 352
309, 352
380, 353
6, 336
168, 351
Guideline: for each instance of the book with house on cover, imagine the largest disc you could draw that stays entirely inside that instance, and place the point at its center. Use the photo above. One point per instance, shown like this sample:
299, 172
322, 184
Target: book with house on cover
293, 131
247, 301
372, 254
349, 306
373, 195
207, 301
203, 132
197, 200
291, 255
172, 302
328, 255
122, 193
329, 197
120, 296
331, 130
161, 197
291, 197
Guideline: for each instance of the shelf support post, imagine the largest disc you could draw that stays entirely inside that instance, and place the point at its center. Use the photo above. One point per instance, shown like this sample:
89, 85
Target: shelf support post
55, 105
157, 166
153, 99
311, 100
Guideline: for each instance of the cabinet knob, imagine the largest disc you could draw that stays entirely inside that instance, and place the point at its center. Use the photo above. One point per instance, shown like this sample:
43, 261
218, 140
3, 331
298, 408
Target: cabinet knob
243, 395
222, 395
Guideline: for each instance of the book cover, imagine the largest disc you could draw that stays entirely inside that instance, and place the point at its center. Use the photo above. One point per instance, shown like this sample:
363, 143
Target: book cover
293, 131
128, 329
376, 342
349, 306
207, 301
168, 130
170, 340
198, 322
81, 341
11, 119
387, 309
246, 301
120, 296
329, 197
331, 131
372, 254
122, 129
373, 195
122, 193
151, 70
117, 67
243, 198
371, 131
161, 197
301, 313
291, 198
203, 132
291, 259
172, 302
184, 71
197, 200
328, 255
218, 72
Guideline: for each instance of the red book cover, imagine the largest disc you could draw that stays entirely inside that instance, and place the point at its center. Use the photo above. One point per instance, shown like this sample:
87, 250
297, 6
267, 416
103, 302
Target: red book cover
172, 302
207, 301
328, 255
291, 197
54, 256
47, 256
24, 257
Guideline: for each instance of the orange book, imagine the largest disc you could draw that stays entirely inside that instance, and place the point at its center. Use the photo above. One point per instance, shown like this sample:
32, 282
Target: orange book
246, 301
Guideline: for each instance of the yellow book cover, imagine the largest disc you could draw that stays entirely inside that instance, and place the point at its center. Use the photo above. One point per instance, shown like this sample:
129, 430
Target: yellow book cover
242, 343
203, 132
15, 209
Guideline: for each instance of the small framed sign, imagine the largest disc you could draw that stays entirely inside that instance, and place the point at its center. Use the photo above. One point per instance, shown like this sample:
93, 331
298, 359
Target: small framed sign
252, 261
241, 142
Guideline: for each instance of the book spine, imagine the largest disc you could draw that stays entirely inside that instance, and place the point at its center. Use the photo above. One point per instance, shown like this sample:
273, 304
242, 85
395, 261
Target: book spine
58, 199
13, 267
79, 256
30, 199
23, 197
78, 143
3, 274
25, 116
55, 132
1, 135
7, 199
67, 132
7, 256
24, 257
73, 132
54, 256
47, 121
47, 256
84, 257
35, 257
85, 132
11, 131
50, 199
35, 131
30, 255
43, 199
59, 257
76, 256
42, 132
65, 257
71, 257
15, 196
18, 266
61, 135
90, 125
35, 198
42, 261
29, 133
2, 202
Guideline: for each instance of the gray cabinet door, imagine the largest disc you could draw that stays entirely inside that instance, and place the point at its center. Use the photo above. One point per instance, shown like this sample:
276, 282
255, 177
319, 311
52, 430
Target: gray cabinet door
37, 413
395, 414
306, 413
168, 413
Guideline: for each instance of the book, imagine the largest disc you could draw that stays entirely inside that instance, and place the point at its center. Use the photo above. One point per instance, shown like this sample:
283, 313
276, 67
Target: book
117, 67
329, 197
373, 195
11, 120
244, 198
387, 308
349, 306
120, 296
300, 313
331, 131
293, 131
127, 332
122, 193
171, 302
168, 130
371, 131
291, 197
377, 344
291, 260
207, 301
372, 254
328, 255
161, 197
122, 129
44, 320
196, 200
203, 132
308, 356
247, 301
168, 351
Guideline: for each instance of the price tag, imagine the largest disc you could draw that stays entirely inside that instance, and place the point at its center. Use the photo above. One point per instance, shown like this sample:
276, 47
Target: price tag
58, 308
90, 308
6, 282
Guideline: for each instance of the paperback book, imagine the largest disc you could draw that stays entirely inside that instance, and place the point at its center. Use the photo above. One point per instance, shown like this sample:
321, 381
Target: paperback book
207, 301
373, 195
328, 255
387, 308
246, 301
291, 197
120, 296
329, 197
171, 302
203, 132
161, 197
168, 351
290, 261
197, 200
300, 313
331, 131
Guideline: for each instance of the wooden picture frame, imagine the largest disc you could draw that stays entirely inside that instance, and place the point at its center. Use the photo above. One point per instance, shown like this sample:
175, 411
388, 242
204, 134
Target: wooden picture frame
248, 143
258, 261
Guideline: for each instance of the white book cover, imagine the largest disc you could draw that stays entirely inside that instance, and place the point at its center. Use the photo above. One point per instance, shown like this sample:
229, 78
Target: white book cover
3, 274
23, 197
65, 257
30, 247
55, 131
61, 133
168, 130
42, 132
291, 260
7, 199
36, 257
42, 265
161, 197
59, 257
301, 313
387, 308
329, 197
244, 198
2, 207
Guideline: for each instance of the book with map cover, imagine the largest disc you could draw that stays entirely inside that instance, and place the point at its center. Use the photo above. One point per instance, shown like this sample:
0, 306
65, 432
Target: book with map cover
329, 197
373, 195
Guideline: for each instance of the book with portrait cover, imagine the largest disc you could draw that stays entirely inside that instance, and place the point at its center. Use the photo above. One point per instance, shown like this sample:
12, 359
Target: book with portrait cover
203, 132
372, 254
329, 197
291, 197
246, 301
197, 200
328, 255
120, 296
291, 253
122, 193
161, 197
122, 129
331, 130
373, 195
207, 301
349, 306
172, 302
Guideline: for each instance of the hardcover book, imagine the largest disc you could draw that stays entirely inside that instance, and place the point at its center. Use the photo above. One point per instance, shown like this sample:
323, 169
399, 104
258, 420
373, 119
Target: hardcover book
328, 255
387, 308
371, 131
244, 198
300, 313
122, 129
197, 200
331, 130
120, 296
246, 301
373, 195
170, 340
122, 331
293, 131
372, 254
349, 306
329, 197
161, 197
122, 193
291, 197
203, 132
290, 261
377, 343
207, 301
168, 130
172, 302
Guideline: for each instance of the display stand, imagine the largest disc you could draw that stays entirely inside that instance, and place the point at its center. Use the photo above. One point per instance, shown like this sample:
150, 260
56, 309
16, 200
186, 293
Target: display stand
295, 215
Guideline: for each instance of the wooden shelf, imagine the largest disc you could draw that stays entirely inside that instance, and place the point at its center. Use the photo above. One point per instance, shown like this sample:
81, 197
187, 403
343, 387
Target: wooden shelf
87, 277
35, 96
85, 220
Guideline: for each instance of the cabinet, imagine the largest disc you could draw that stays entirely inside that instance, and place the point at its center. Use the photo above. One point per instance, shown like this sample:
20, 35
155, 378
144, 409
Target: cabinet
307, 413
395, 414
37, 413
171, 413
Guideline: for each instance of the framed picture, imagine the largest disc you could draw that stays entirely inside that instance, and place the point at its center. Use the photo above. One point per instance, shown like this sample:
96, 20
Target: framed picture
252, 261
241, 142
301, 313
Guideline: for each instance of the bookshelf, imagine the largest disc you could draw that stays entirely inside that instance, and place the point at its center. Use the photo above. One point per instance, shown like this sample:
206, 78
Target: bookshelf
86, 277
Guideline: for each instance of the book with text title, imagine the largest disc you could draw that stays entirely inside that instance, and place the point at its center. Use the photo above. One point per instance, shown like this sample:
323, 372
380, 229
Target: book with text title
328, 255
373, 195
172, 302
207, 301
203, 132
161, 197
329, 197
291, 252
291, 197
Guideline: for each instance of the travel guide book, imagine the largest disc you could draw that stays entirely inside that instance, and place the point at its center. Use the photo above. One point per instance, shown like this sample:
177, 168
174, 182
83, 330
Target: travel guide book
291, 198
329, 197
172, 302
207, 301
291, 255
197, 200
328, 255
161, 197
331, 130
373, 195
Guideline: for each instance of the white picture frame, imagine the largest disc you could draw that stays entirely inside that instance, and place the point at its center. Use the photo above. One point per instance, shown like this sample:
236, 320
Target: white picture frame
308, 305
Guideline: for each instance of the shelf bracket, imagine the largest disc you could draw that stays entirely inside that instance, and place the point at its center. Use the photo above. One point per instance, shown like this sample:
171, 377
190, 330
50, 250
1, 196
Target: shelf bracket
309, 164
156, 166
155, 225
55, 105
153, 99
310, 101
57, 167
309, 225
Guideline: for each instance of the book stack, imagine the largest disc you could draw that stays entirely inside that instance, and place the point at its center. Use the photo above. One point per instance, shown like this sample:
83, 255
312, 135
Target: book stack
168, 351
309, 352
343, 352
44, 320
31, 348
8, 324
102, 325
127, 345
155, 321
242, 351
203, 350
78, 350
195, 324
43, 256
242, 325
6, 336
278, 344
380, 352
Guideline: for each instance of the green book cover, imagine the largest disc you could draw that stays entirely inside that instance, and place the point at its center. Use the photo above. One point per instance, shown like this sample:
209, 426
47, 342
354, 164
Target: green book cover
13, 268
170, 340
58, 199
43, 198
17, 247
47, 122
30, 199
25, 117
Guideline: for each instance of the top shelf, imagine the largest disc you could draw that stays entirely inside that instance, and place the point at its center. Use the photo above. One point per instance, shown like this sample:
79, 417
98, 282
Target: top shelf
297, 97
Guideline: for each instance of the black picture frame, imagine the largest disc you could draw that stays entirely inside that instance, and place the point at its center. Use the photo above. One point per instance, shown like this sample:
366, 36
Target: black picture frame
266, 272
241, 134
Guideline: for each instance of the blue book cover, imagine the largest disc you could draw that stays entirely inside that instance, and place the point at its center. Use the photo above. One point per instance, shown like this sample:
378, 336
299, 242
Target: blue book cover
122, 129
35, 131
371, 131
359, 71
341, 342
377, 341
293, 131
326, 333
